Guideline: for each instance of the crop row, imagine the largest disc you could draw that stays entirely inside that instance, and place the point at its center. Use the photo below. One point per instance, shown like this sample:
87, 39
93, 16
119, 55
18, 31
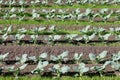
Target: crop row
58, 69
46, 30
21, 14
62, 58
53, 39
58, 11
87, 34
57, 2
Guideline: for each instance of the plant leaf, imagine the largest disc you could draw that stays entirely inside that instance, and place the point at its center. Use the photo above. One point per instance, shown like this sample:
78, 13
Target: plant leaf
92, 56
43, 55
23, 66
102, 55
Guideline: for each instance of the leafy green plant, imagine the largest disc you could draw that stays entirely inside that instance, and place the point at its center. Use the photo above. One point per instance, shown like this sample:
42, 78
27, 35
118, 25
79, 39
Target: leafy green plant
100, 69
34, 38
81, 69
22, 59
87, 38
77, 57
40, 67
4, 37
105, 37
96, 59
59, 70
115, 65
60, 58
42, 56
32, 58
116, 57
16, 71
3, 56
18, 38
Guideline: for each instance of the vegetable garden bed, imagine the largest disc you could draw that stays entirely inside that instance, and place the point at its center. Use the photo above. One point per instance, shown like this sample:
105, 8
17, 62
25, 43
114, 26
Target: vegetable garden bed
56, 39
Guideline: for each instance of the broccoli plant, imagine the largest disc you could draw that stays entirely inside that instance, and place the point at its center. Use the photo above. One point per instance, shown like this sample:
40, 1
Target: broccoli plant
115, 65
34, 38
53, 38
16, 71
18, 38
100, 69
104, 38
96, 59
3, 56
59, 2
85, 30
59, 70
40, 67
42, 56
70, 37
22, 59
77, 58
81, 69
89, 14
59, 58
116, 57
35, 15
87, 38
4, 38
32, 58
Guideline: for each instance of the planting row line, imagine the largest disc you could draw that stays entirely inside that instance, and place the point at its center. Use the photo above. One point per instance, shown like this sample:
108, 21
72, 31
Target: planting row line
53, 39
57, 2
85, 35
21, 14
62, 58
58, 11
68, 29
47, 69
88, 30
57, 69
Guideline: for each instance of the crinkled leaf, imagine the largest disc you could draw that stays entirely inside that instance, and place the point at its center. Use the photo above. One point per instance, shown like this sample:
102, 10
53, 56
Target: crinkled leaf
23, 66
41, 28
24, 58
92, 36
57, 37
75, 68
63, 55
106, 63
56, 66
115, 65
43, 55
77, 56
64, 69
102, 55
92, 56
53, 58
32, 58
106, 36
81, 65
3, 56
42, 64
86, 69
